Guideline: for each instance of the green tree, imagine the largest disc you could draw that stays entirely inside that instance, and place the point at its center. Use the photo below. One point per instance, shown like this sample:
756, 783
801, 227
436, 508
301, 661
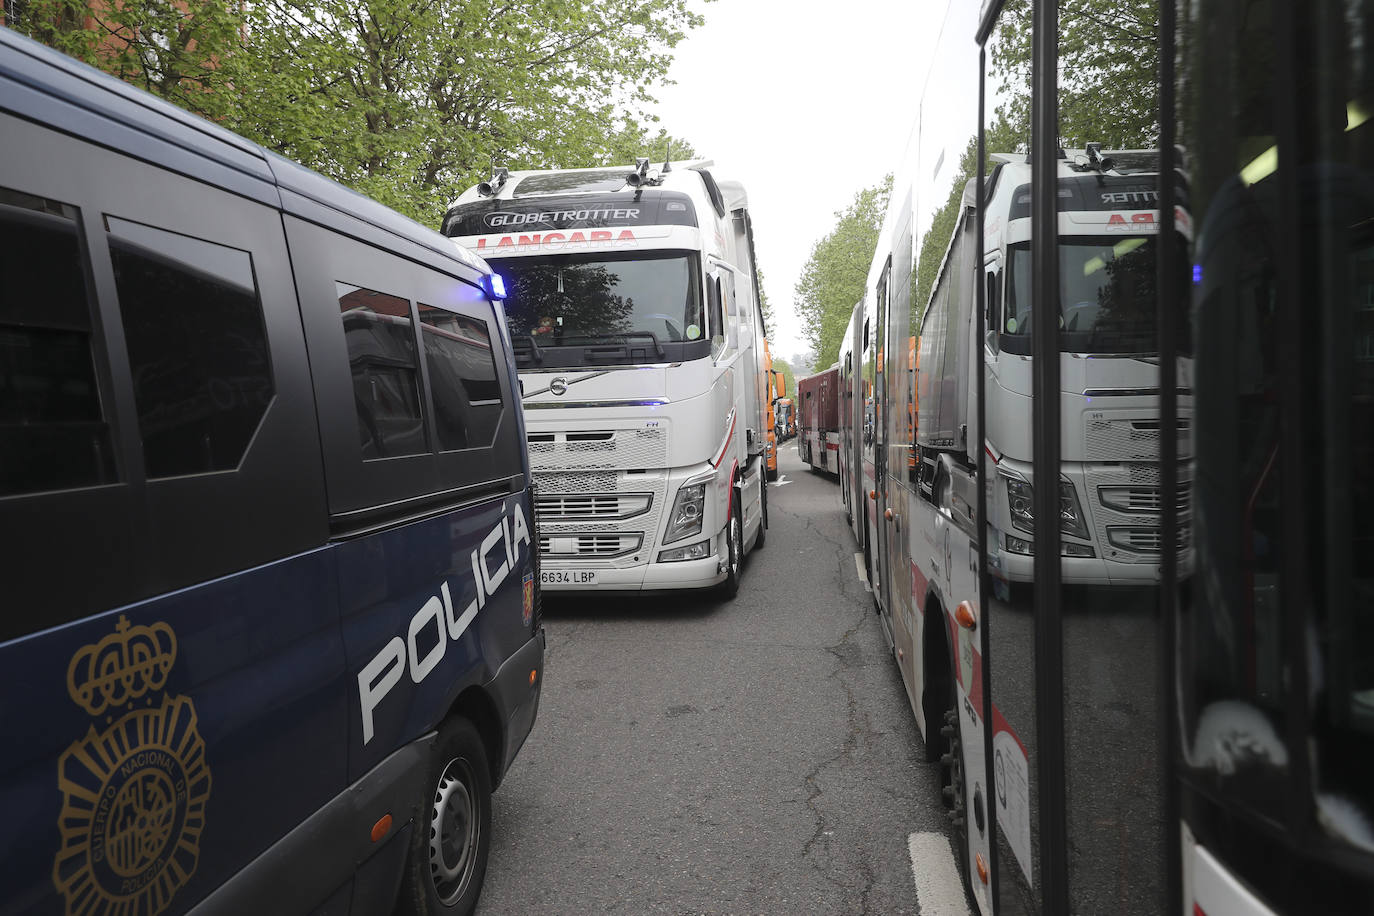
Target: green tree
410, 101
634, 140
1108, 72
833, 277
765, 306
788, 374
172, 49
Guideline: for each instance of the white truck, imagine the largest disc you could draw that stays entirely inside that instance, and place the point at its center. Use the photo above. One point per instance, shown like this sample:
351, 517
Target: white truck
631, 302
1110, 497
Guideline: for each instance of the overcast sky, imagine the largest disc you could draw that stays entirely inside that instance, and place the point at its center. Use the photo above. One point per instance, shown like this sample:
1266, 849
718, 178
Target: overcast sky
806, 103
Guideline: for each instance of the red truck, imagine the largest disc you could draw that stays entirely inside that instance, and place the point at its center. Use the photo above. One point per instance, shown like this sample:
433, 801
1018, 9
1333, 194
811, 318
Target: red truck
818, 424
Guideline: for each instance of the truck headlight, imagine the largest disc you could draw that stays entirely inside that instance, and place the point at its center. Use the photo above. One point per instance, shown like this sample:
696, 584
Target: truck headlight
685, 519
1021, 499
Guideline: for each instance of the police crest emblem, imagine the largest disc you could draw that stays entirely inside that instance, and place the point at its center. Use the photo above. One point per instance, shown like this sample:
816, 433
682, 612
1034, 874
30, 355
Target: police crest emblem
134, 795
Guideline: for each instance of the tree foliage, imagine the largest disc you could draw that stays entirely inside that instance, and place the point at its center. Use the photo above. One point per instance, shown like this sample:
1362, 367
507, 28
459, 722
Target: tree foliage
833, 278
410, 101
407, 101
174, 50
1108, 72
765, 307
789, 375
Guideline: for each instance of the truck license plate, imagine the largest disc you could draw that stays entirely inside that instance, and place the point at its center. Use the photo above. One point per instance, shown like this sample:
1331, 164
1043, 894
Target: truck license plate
567, 577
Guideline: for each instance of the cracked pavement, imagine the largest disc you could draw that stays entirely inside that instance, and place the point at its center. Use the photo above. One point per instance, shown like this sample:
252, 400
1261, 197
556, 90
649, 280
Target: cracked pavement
701, 756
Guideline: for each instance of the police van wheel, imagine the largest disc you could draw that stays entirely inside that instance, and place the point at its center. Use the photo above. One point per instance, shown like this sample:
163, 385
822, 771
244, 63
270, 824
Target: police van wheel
734, 549
452, 839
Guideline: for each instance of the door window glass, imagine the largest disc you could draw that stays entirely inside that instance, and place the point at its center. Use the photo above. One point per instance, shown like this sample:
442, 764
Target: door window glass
197, 347
462, 378
385, 370
53, 433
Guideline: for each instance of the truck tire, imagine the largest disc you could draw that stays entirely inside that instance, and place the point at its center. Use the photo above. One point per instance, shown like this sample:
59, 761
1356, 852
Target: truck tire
763, 515
452, 837
734, 550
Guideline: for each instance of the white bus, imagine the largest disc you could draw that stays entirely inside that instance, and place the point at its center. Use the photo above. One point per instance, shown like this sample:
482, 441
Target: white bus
632, 304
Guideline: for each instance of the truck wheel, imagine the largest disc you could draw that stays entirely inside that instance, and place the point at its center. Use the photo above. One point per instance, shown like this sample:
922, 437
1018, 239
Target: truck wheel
734, 546
763, 515
452, 837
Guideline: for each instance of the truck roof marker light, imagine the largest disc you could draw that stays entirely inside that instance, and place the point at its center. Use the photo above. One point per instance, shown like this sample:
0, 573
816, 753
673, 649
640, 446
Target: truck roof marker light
381, 828
964, 615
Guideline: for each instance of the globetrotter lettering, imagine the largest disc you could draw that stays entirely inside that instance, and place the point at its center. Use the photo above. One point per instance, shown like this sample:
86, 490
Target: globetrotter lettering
434, 625
557, 240
499, 219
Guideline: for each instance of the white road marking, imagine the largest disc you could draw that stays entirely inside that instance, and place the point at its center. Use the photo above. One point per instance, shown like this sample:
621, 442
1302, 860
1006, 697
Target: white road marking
863, 574
939, 889
782, 481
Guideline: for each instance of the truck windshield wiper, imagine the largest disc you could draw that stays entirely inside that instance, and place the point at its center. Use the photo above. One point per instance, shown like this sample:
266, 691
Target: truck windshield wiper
534, 344
658, 347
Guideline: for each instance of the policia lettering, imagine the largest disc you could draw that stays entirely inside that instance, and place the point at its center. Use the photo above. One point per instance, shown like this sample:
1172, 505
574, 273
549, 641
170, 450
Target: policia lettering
134, 796
379, 676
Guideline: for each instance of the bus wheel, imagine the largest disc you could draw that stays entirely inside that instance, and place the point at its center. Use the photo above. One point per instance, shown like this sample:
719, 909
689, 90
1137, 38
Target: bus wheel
734, 548
449, 849
952, 764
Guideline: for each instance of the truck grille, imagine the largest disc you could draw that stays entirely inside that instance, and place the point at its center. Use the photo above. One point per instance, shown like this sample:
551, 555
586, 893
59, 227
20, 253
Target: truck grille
1139, 499
577, 507
609, 449
579, 504
600, 546
1137, 439
1142, 539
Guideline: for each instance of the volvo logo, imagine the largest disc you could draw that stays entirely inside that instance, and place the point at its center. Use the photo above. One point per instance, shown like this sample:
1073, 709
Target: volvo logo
558, 386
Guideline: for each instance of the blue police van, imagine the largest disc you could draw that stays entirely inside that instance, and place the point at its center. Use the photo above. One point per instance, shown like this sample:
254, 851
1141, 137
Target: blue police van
270, 631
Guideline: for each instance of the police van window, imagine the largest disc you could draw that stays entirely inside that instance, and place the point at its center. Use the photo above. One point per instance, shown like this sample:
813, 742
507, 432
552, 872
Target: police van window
462, 378
385, 369
193, 326
53, 432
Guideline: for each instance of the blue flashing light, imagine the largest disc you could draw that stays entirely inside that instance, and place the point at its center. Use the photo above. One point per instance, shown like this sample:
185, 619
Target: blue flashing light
496, 286
1197, 274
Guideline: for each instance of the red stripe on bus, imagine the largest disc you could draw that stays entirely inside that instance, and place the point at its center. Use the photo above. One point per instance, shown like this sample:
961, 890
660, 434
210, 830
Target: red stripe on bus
919, 584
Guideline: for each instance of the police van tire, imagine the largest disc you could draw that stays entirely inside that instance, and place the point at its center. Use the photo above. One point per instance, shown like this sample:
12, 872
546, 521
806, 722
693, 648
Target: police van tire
452, 837
734, 550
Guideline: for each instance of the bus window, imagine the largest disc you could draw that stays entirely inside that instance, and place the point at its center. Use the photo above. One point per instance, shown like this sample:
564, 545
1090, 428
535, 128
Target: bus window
197, 348
55, 435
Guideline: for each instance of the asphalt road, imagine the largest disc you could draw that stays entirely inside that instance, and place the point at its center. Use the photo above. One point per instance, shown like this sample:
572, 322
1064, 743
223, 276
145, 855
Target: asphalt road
703, 756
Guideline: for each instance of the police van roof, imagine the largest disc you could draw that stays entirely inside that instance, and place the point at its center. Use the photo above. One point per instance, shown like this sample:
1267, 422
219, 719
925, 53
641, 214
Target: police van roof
46, 86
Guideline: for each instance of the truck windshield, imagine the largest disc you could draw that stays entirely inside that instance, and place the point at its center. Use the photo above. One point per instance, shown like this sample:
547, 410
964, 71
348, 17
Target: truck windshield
644, 300
1106, 296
